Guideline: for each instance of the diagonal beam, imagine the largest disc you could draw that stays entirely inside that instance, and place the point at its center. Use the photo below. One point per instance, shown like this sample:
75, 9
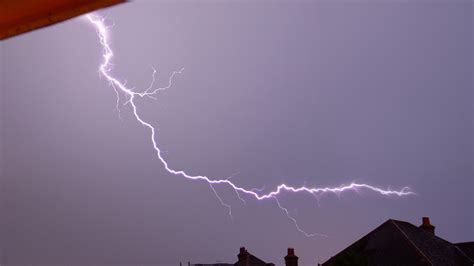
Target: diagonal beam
20, 16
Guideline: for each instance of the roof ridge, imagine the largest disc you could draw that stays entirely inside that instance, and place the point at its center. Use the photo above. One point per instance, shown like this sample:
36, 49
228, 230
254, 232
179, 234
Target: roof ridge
431, 235
409, 241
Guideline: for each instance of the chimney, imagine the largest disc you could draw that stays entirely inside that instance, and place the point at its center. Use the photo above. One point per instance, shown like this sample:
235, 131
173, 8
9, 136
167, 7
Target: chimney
427, 226
291, 259
243, 254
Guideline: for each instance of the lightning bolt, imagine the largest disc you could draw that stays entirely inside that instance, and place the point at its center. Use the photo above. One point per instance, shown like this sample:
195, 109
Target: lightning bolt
120, 87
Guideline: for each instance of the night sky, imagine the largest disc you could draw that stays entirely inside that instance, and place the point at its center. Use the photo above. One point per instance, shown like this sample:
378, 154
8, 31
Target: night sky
320, 93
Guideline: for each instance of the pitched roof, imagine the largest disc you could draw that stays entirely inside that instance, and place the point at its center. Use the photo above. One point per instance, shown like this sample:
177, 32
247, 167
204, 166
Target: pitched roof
437, 250
400, 243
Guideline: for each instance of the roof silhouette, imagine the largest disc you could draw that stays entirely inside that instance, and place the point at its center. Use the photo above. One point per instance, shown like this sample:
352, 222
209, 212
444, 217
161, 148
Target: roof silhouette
247, 259
402, 243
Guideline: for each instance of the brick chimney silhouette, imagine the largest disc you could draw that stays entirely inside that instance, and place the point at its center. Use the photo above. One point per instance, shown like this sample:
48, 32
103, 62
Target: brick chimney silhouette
291, 259
427, 226
243, 254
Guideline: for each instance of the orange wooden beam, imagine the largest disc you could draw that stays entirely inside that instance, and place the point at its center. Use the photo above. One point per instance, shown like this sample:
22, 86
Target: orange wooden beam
19, 16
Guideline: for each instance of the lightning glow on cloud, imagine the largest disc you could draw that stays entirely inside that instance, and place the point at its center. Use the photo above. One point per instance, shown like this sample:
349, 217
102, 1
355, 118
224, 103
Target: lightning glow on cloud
105, 70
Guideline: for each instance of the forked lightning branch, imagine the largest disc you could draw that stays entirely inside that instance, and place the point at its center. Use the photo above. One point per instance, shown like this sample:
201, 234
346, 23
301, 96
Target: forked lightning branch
130, 95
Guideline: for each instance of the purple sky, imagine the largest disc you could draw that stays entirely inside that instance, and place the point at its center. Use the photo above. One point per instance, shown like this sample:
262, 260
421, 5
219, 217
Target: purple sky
315, 93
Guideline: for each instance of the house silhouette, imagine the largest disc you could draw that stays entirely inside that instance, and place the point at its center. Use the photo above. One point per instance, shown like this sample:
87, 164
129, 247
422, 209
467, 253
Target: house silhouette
393, 243
402, 243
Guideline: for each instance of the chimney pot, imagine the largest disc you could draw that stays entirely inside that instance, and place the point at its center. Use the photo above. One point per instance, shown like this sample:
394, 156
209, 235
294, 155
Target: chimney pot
291, 251
426, 220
